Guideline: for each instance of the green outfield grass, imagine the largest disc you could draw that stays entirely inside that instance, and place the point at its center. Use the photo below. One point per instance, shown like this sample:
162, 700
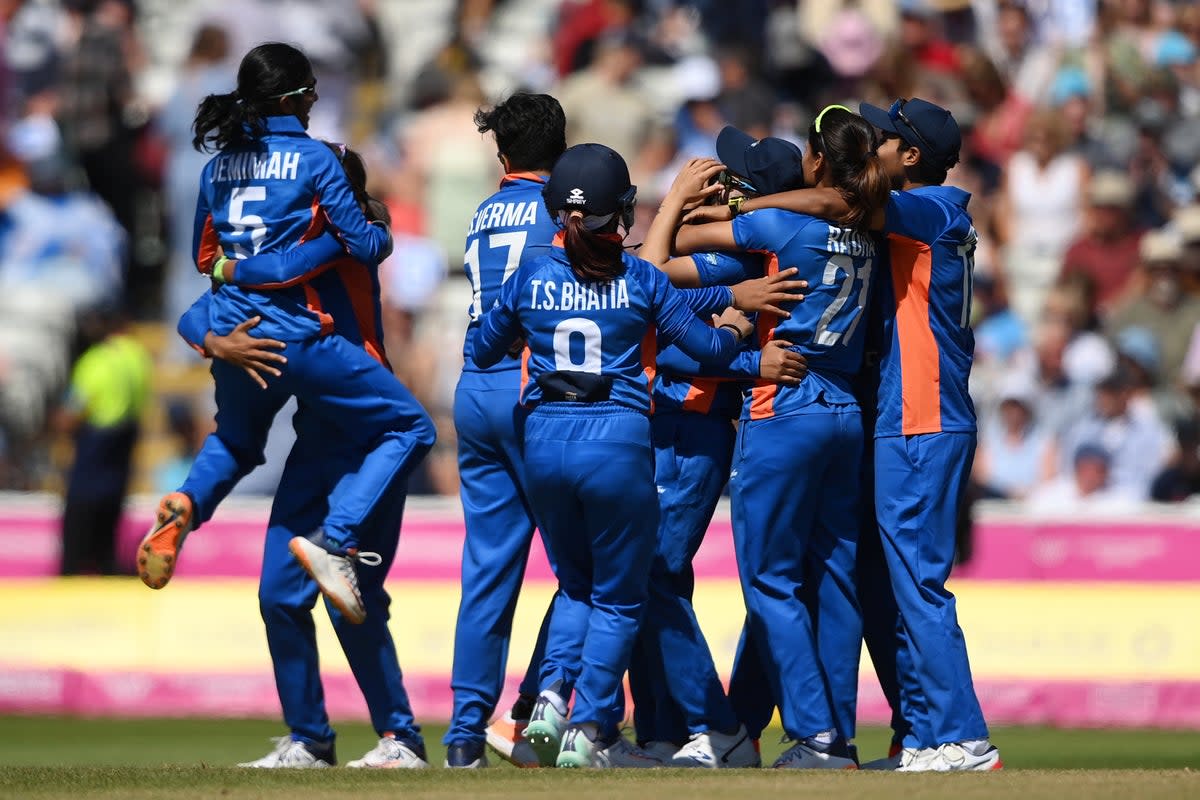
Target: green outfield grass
181, 759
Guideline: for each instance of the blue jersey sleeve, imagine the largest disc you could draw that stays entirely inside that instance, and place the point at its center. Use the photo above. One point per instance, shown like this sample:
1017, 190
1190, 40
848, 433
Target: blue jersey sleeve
368, 242
917, 217
280, 270
745, 364
193, 325
726, 269
709, 300
499, 327
678, 323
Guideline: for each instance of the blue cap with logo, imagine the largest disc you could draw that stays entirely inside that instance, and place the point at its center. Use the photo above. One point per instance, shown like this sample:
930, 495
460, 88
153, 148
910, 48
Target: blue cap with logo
593, 179
769, 165
922, 124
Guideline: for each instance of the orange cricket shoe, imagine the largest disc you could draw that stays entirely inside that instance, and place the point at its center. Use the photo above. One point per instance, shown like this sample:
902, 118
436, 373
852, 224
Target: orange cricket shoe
159, 551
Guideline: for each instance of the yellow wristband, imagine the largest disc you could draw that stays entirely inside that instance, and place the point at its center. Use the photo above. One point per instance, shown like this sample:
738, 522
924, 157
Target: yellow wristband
218, 272
735, 205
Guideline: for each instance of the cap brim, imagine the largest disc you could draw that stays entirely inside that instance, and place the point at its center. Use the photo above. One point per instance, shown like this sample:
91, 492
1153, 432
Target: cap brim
732, 145
878, 117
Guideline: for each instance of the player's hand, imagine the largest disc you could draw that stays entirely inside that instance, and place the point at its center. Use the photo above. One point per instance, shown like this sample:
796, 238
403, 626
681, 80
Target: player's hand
703, 214
517, 347
255, 356
778, 364
694, 183
769, 293
731, 316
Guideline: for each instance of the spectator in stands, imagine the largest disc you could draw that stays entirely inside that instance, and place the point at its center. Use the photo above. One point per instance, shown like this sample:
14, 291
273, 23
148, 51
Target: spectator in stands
1087, 487
1186, 224
623, 120
1028, 65
1000, 129
1015, 454
1161, 305
747, 102
206, 71
1039, 212
1107, 252
1139, 443
1181, 480
110, 387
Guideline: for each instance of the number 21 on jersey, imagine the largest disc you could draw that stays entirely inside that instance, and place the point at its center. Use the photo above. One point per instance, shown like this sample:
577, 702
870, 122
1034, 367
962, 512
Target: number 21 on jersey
843, 265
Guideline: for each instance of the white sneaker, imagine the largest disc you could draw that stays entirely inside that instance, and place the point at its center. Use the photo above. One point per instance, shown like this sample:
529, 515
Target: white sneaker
336, 575
801, 756
961, 757
663, 751
391, 753
292, 754
923, 759
546, 727
622, 754
716, 750
506, 736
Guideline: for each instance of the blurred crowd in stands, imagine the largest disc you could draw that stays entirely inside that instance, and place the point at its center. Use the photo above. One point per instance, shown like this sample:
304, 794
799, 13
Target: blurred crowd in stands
1082, 139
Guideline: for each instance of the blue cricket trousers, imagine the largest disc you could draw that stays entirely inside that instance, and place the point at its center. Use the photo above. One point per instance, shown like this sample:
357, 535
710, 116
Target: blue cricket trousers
315, 477
590, 478
795, 524
919, 485
499, 528
675, 686
358, 403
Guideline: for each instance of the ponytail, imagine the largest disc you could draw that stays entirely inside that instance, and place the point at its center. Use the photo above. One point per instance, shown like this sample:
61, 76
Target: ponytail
223, 121
594, 256
268, 72
848, 143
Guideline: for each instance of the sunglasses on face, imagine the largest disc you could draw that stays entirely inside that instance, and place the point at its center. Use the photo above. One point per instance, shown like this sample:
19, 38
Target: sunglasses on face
731, 181
303, 90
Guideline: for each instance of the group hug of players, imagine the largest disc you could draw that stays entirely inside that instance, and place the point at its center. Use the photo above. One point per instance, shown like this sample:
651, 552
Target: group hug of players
597, 406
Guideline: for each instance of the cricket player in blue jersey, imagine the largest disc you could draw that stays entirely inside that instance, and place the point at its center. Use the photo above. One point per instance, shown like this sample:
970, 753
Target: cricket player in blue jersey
315, 474
269, 188
588, 312
924, 433
795, 507
677, 693
510, 228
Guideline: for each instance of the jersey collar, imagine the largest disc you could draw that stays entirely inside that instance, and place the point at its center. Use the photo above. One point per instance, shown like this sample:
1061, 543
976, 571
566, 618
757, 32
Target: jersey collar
952, 194
283, 124
513, 177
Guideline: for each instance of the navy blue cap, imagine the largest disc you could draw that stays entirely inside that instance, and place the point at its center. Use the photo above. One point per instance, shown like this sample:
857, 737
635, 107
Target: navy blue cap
922, 124
769, 165
590, 178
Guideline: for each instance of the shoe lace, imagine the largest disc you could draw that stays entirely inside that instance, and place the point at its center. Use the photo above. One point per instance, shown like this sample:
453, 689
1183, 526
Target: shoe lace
366, 558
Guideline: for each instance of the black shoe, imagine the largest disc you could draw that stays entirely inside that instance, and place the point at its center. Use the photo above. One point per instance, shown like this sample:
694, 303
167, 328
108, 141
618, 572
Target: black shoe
522, 710
463, 754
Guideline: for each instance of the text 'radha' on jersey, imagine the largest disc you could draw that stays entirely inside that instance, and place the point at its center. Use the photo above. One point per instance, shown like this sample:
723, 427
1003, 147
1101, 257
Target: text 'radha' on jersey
828, 326
508, 229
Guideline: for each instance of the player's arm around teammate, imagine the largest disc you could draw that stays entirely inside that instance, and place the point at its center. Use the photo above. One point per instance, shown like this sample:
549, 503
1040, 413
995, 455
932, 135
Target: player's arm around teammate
587, 310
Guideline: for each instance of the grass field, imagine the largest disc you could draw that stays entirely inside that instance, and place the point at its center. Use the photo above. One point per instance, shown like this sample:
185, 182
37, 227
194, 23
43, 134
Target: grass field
184, 759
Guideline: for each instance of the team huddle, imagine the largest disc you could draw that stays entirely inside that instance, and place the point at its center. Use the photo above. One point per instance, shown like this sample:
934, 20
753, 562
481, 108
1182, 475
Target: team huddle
796, 325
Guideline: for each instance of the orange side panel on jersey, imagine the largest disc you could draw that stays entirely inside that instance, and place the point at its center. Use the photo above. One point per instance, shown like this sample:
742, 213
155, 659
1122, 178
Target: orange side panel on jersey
313, 300
762, 396
316, 225
524, 374
210, 247
920, 375
700, 395
649, 352
361, 292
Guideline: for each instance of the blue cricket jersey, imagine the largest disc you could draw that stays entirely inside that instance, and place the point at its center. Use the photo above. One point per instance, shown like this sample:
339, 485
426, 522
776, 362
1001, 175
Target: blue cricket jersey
510, 228
283, 189
683, 385
603, 329
827, 327
928, 345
